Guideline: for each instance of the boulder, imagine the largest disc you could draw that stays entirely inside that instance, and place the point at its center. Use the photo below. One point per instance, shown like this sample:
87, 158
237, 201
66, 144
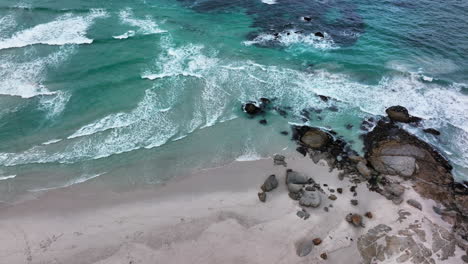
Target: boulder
400, 114
295, 177
364, 170
251, 108
415, 204
432, 131
394, 189
270, 183
310, 199
315, 138
294, 188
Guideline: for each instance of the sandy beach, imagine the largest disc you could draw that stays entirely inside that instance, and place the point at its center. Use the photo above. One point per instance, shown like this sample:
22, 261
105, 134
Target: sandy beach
215, 216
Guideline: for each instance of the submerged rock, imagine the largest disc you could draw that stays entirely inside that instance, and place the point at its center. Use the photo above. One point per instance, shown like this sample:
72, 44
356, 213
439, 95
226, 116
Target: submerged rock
319, 34
270, 183
432, 131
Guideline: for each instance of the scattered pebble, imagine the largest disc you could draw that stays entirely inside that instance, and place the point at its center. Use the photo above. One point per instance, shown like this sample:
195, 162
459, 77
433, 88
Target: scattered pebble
332, 197
326, 209
415, 204
354, 202
369, 215
285, 133
263, 122
262, 196
339, 190
324, 255
270, 183
317, 241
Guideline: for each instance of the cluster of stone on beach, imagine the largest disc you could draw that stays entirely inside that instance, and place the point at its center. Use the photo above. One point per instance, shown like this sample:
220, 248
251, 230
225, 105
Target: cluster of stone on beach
393, 161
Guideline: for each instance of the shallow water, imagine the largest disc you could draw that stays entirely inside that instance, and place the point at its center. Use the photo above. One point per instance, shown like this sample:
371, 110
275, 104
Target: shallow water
135, 92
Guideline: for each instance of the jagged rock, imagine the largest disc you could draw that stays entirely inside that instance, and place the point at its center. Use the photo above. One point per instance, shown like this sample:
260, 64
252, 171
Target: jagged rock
354, 202
262, 196
415, 204
369, 215
270, 183
295, 177
302, 150
295, 196
307, 18
317, 241
263, 122
279, 160
251, 108
303, 248
364, 170
357, 159
400, 114
461, 202
310, 199
294, 188
319, 34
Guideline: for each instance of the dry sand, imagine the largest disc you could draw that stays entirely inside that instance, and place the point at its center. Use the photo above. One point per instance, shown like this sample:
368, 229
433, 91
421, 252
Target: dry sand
211, 216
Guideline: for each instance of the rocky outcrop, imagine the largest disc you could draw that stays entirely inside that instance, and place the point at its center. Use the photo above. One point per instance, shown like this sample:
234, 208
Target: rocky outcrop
400, 114
315, 138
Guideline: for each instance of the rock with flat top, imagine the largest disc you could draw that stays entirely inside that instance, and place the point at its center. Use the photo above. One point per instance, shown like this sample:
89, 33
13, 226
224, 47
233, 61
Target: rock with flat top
310, 199
295, 177
262, 196
279, 160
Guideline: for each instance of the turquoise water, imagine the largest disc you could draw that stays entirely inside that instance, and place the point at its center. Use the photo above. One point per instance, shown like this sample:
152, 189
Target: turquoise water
134, 92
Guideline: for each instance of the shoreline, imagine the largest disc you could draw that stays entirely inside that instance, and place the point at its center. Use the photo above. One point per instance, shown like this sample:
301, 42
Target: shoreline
211, 216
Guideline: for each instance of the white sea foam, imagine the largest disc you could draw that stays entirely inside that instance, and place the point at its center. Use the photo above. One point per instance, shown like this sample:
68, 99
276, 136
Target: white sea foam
66, 29
6, 22
145, 26
82, 179
125, 35
269, 2
52, 141
2, 178
293, 37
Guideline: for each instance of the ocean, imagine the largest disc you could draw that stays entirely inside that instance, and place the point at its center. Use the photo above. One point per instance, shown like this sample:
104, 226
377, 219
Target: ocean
130, 93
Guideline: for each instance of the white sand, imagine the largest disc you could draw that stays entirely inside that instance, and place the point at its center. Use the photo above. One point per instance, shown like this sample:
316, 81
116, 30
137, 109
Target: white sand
211, 216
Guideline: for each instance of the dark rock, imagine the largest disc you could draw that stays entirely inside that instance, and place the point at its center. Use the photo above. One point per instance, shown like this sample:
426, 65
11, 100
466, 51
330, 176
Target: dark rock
324, 98
251, 108
349, 126
324, 256
263, 122
285, 133
400, 114
317, 241
432, 131
352, 188
332, 197
415, 204
265, 101
307, 18
326, 209
270, 183
279, 160
281, 112
364, 170
303, 248
319, 34
369, 215
310, 188
303, 214
354, 202
302, 150
339, 190
310, 199
394, 189
262, 196
332, 190
465, 258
